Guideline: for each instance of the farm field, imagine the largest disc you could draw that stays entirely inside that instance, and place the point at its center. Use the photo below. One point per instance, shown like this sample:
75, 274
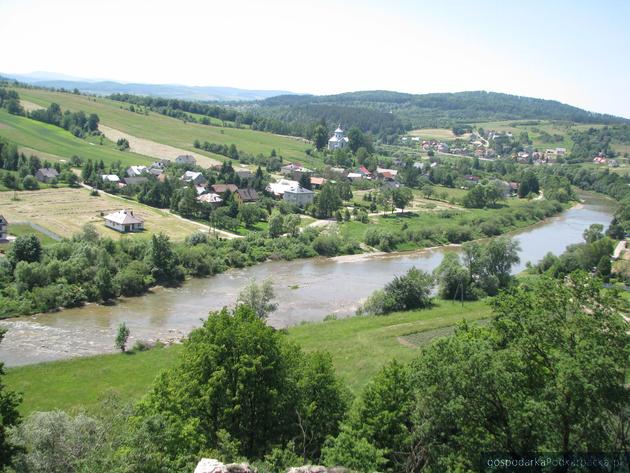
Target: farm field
359, 347
438, 134
54, 143
171, 131
65, 211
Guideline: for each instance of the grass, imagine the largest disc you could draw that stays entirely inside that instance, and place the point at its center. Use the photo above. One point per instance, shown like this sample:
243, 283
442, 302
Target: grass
81, 383
65, 211
360, 346
438, 134
20, 229
171, 131
54, 143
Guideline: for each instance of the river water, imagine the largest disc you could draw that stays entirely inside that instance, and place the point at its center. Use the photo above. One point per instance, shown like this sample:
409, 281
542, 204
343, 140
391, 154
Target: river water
308, 290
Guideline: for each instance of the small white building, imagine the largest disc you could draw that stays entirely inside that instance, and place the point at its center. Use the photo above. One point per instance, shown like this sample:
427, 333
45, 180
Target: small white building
4, 228
110, 178
338, 140
124, 221
210, 198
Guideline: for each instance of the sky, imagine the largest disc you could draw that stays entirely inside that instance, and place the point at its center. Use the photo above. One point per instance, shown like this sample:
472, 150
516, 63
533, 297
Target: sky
576, 51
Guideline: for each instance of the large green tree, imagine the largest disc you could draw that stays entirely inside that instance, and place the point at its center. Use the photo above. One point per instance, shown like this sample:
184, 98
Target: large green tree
9, 417
547, 374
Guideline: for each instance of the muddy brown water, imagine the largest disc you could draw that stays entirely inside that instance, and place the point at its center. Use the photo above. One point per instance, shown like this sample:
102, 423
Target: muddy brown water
307, 290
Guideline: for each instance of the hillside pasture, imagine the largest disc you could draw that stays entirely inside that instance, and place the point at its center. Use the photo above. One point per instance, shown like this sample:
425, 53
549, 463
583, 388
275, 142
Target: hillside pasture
55, 143
438, 134
65, 211
171, 131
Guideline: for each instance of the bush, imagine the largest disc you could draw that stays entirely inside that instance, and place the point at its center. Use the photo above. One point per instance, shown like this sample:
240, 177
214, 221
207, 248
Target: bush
327, 245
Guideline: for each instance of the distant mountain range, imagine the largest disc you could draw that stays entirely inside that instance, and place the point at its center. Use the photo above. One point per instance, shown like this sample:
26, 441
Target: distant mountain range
172, 91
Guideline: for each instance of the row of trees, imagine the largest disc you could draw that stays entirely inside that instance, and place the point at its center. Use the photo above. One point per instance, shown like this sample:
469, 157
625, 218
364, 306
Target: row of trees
77, 123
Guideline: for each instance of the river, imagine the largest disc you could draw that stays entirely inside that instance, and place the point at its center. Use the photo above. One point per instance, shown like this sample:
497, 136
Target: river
307, 289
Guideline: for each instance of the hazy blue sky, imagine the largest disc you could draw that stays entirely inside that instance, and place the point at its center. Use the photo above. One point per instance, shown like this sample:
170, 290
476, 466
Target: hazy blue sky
575, 51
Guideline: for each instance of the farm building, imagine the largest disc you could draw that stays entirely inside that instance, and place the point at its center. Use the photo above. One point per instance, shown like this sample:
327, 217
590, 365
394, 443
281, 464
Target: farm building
4, 228
110, 178
135, 171
124, 221
46, 175
223, 188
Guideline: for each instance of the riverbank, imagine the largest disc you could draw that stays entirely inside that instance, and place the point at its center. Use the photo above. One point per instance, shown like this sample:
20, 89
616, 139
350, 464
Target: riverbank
307, 290
358, 345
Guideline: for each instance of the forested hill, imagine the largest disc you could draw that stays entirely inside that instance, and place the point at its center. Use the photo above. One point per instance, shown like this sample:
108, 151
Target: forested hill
427, 110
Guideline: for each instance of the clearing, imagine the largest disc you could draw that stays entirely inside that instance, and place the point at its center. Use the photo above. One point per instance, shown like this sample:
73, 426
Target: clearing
65, 211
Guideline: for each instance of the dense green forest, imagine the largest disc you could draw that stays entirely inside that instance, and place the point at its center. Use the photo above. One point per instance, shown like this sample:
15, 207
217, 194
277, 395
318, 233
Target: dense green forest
429, 110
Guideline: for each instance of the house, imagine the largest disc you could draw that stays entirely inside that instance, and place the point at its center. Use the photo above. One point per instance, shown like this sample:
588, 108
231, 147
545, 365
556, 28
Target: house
390, 184
386, 173
299, 196
135, 181
600, 160
365, 171
278, 188
46, 175
135, 171
338, 140
613, 163
294, 171
246, 195
124, 221
223, 188
354, 176
4, 228
186, 159
195, 177
211, 198
161, 164
317, 182
200, 190
156, 171
110, 178
442, 148
245, 174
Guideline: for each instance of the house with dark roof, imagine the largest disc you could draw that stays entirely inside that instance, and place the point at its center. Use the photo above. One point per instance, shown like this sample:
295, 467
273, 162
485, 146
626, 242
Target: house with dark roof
135, 181
245, 174
246, 195
46, 175
223, 188
185, 159
195, 177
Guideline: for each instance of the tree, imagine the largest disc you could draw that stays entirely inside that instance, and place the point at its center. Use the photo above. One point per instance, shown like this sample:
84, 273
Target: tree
322, 407
9, 417
357, 139
402, 197
249, 214
234, 373
452, 278
350, 450
276, 224
105, 284
260, 298
328, 201
25, 248
383, 415
292, 224
593, 233
163, 261
122, 335
410, 291
29, 183
320, 137
526, 376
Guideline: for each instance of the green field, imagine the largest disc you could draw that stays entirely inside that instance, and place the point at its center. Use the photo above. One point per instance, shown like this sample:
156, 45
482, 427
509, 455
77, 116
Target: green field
20, 229
53, 141
171, 131
359, 347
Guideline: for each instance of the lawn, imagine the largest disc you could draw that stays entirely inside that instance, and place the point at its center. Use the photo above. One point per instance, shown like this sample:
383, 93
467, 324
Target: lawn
54, 143
171, 131
65, 211
359, 347
19, 229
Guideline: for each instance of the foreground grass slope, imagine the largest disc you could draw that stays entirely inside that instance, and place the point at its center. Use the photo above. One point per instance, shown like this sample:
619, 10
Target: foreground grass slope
359, 347
167, 130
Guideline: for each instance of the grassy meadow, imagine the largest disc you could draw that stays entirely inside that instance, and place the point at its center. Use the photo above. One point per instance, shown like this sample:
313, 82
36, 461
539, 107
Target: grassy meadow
56, 144
171, 131
65, 211
360, 346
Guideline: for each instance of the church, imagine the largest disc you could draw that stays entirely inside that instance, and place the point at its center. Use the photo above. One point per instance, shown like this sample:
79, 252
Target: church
338, 140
